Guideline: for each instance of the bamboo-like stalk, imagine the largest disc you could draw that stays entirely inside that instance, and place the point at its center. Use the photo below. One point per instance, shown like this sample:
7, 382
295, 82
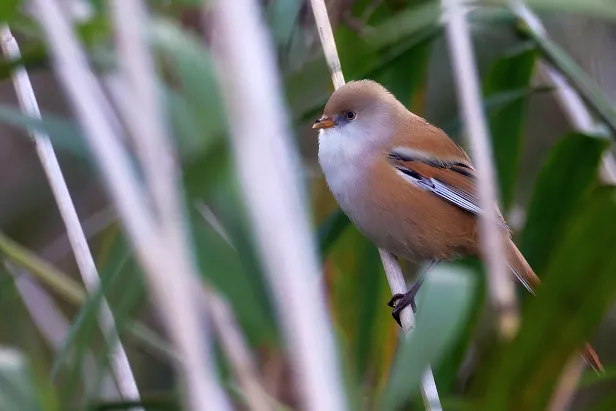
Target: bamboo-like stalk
501, 288
267, 169
120, 365
394, 274
159, 255
236, 350
581, 120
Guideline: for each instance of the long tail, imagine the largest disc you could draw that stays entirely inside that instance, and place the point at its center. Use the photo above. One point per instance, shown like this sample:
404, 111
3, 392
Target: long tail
529, 279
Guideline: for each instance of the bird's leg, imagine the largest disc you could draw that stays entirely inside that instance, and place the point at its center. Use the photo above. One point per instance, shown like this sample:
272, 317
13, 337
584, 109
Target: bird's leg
400, 301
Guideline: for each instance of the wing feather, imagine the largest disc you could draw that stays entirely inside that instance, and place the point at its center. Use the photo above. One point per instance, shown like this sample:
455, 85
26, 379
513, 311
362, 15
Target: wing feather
450, 179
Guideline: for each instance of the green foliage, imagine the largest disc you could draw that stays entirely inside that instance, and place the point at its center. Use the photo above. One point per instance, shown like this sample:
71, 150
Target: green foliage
558, 193
508, 74
567, 309
442, 309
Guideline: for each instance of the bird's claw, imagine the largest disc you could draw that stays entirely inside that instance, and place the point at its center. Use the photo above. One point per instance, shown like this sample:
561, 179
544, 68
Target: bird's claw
394, 299
400, 301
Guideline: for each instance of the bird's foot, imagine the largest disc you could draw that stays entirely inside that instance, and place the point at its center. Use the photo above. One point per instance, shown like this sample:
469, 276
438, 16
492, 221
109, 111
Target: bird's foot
400, 301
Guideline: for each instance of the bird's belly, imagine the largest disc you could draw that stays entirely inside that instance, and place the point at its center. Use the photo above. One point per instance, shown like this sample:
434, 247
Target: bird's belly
375, 222
415, 225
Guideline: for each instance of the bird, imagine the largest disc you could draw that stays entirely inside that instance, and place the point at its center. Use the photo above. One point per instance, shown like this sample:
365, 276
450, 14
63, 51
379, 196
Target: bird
407, 186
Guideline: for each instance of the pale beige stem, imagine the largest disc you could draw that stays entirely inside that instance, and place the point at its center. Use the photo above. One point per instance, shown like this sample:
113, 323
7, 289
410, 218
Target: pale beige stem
260, 139
501, 288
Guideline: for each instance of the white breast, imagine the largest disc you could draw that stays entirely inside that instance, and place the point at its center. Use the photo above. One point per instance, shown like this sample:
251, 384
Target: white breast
345, 157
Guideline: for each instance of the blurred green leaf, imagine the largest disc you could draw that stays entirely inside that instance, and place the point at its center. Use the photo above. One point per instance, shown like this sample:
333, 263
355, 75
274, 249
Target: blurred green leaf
8, 8
282, 16
448, 372
89, 310
63, 133
71, 291
16, 389
443, 307
588, 88
603, 9
230, 263
329, 231
509, 73
32, 57
570, 172
578, 289
404, 24
494, 104
190, 68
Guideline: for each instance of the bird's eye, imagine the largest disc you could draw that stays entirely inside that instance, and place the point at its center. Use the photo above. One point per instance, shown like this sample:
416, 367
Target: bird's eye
351, 115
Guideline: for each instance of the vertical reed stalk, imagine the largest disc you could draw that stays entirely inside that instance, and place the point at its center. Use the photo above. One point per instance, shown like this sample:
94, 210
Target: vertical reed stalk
501, 288
268, 171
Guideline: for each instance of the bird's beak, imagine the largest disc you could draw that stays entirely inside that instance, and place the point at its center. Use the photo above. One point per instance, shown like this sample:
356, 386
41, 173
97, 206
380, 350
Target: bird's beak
324, 122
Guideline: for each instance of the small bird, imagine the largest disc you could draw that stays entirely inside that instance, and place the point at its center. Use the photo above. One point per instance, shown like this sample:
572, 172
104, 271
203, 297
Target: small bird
406, 185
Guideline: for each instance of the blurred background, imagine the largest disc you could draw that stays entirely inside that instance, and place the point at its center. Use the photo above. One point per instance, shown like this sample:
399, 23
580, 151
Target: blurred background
561, 211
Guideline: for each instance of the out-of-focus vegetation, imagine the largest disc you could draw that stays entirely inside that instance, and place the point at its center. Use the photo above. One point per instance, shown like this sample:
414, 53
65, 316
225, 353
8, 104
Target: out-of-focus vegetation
547, 173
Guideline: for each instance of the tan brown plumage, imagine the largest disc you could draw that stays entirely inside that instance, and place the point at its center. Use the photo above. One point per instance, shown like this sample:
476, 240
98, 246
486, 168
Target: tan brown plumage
404, 183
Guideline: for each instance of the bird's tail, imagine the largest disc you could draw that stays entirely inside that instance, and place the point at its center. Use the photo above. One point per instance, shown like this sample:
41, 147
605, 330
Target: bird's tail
529, 279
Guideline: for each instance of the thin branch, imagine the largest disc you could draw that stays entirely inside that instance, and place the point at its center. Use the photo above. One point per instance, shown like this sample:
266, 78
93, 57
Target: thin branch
158, 255
260, 137
119, 360
502, 292
394, 275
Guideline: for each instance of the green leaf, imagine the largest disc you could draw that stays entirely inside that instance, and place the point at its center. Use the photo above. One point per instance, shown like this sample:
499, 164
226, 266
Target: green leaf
443, 307
282, 16
8, 8
579, 288
330, 230
64, 134
16, 389
603, 9
509, 74
89, 310
191, 69
404, 24
569, 173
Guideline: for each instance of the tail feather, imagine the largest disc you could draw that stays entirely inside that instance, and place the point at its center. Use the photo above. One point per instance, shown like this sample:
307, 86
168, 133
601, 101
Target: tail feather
529, 279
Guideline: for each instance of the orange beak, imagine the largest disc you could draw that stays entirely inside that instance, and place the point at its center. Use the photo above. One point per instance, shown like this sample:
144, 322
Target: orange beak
324, 122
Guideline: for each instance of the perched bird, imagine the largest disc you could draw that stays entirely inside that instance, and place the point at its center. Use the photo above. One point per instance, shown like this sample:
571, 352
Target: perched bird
405, 184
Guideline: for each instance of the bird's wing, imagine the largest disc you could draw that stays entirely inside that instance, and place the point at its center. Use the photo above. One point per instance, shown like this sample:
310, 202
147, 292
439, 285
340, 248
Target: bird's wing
450, 178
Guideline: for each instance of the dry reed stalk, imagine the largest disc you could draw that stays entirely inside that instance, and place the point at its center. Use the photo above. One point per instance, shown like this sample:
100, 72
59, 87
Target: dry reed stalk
159, 256
120, 365
268, 172
501, 288
234, 345
394, 275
